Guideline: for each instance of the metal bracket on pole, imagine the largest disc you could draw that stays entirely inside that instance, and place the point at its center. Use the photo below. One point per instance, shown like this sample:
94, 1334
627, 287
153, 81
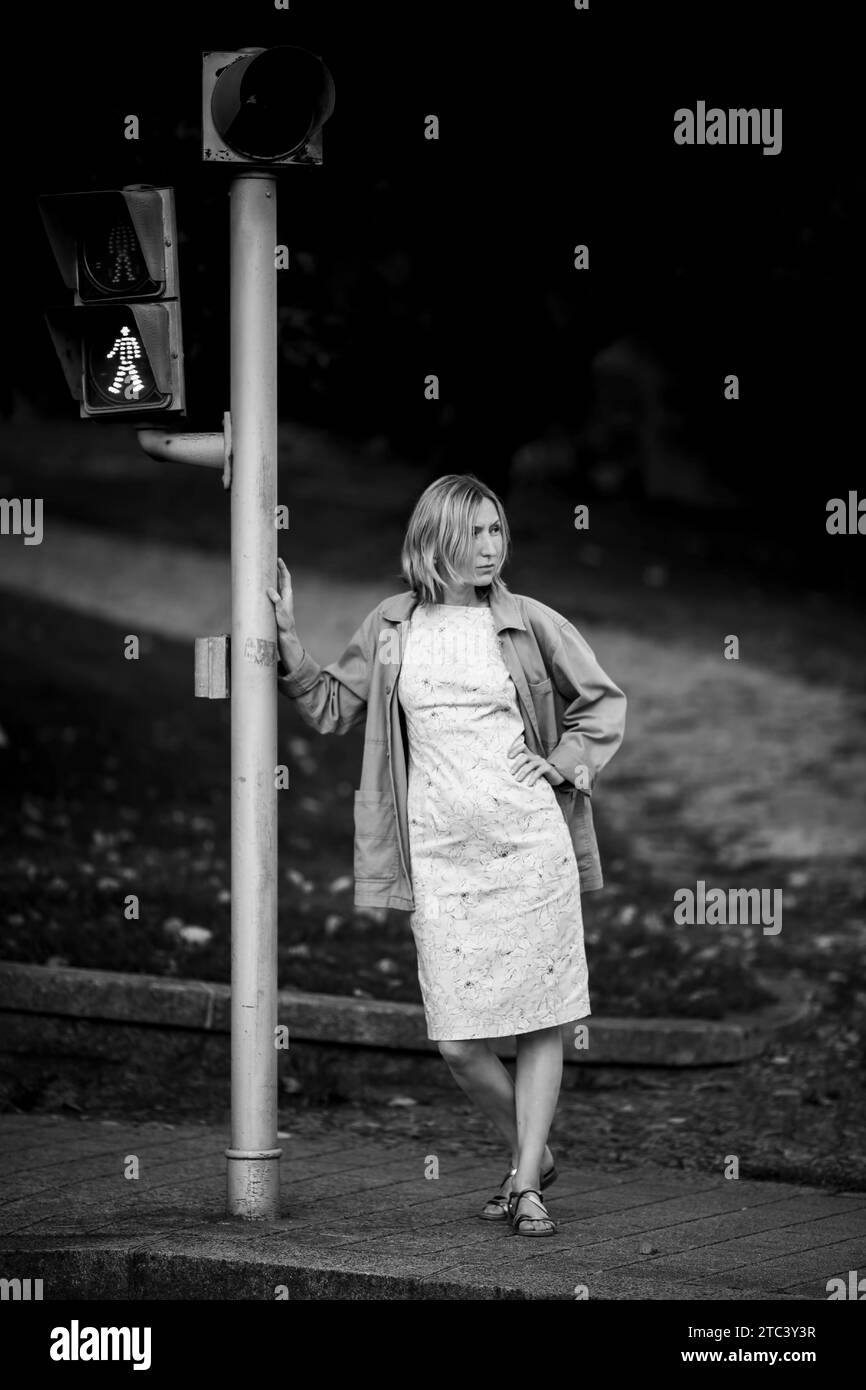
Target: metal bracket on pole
209, 450
213, 667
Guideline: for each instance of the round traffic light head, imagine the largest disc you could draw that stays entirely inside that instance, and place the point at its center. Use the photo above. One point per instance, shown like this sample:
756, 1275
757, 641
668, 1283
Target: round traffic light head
267, 103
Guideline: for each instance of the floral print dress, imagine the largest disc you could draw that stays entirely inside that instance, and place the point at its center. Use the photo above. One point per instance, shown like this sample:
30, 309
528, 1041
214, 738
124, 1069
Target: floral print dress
497, 921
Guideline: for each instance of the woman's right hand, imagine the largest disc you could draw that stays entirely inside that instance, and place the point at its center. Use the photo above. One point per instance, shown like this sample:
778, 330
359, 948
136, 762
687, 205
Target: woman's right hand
283, 601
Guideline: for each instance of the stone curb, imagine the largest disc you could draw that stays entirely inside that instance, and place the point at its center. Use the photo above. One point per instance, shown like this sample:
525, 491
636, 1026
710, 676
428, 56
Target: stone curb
77, 1269
156, 1001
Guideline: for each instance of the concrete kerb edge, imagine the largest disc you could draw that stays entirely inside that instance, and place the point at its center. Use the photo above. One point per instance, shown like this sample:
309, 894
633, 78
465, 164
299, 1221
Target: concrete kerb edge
157, 1001
91, 1270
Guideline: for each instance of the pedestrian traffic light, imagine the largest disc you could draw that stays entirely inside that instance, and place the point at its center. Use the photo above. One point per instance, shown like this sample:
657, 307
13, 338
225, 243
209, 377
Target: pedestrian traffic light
120, 345
265, 106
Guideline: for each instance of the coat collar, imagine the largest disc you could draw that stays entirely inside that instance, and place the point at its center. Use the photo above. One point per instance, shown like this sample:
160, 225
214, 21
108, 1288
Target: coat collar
503, 606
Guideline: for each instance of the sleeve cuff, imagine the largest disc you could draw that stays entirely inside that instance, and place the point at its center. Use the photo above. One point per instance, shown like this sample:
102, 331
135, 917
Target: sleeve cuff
302, 679
575, 774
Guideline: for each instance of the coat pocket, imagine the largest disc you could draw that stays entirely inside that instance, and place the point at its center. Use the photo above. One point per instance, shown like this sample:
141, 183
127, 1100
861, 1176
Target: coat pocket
541, 693
376, 850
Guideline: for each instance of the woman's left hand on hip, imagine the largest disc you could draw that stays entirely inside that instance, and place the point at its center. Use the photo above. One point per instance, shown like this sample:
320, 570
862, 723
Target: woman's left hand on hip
528, 767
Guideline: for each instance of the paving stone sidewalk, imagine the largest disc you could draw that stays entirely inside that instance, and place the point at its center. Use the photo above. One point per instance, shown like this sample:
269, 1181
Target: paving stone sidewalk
361, 1220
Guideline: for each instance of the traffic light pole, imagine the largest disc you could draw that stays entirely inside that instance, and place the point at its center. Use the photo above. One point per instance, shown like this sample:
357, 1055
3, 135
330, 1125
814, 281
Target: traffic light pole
253, 1176
262, 110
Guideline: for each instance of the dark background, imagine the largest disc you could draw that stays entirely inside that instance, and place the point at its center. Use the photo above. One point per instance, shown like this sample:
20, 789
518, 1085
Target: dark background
412, 256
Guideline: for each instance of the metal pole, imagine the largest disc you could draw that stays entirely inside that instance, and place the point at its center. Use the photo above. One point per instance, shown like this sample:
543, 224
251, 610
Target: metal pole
253, 1187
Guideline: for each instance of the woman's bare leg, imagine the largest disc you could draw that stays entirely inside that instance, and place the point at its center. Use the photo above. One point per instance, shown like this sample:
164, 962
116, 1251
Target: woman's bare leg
539, 1077
480, 1073
487, 1081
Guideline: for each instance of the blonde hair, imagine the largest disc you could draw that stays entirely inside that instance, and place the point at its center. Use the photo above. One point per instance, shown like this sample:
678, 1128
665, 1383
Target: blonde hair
439, 537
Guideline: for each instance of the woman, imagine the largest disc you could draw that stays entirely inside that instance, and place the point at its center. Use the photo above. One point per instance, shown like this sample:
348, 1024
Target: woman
477, 703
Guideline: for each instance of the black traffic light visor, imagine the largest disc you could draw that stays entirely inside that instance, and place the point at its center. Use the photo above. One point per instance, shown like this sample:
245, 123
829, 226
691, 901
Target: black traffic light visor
73, 328
67, 216
267, 104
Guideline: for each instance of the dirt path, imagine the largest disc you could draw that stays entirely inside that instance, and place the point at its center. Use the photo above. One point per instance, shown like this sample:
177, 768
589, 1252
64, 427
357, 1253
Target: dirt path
166, 589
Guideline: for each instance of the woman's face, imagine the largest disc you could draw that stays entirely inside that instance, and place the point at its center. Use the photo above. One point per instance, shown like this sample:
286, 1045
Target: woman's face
487, 545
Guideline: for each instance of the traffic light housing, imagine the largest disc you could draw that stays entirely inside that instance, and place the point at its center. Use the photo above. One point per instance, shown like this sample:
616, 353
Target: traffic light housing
264, 106
120, 343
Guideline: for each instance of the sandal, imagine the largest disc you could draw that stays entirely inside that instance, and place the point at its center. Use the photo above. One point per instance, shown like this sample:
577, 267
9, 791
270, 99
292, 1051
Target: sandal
500, 1201
516, 1221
